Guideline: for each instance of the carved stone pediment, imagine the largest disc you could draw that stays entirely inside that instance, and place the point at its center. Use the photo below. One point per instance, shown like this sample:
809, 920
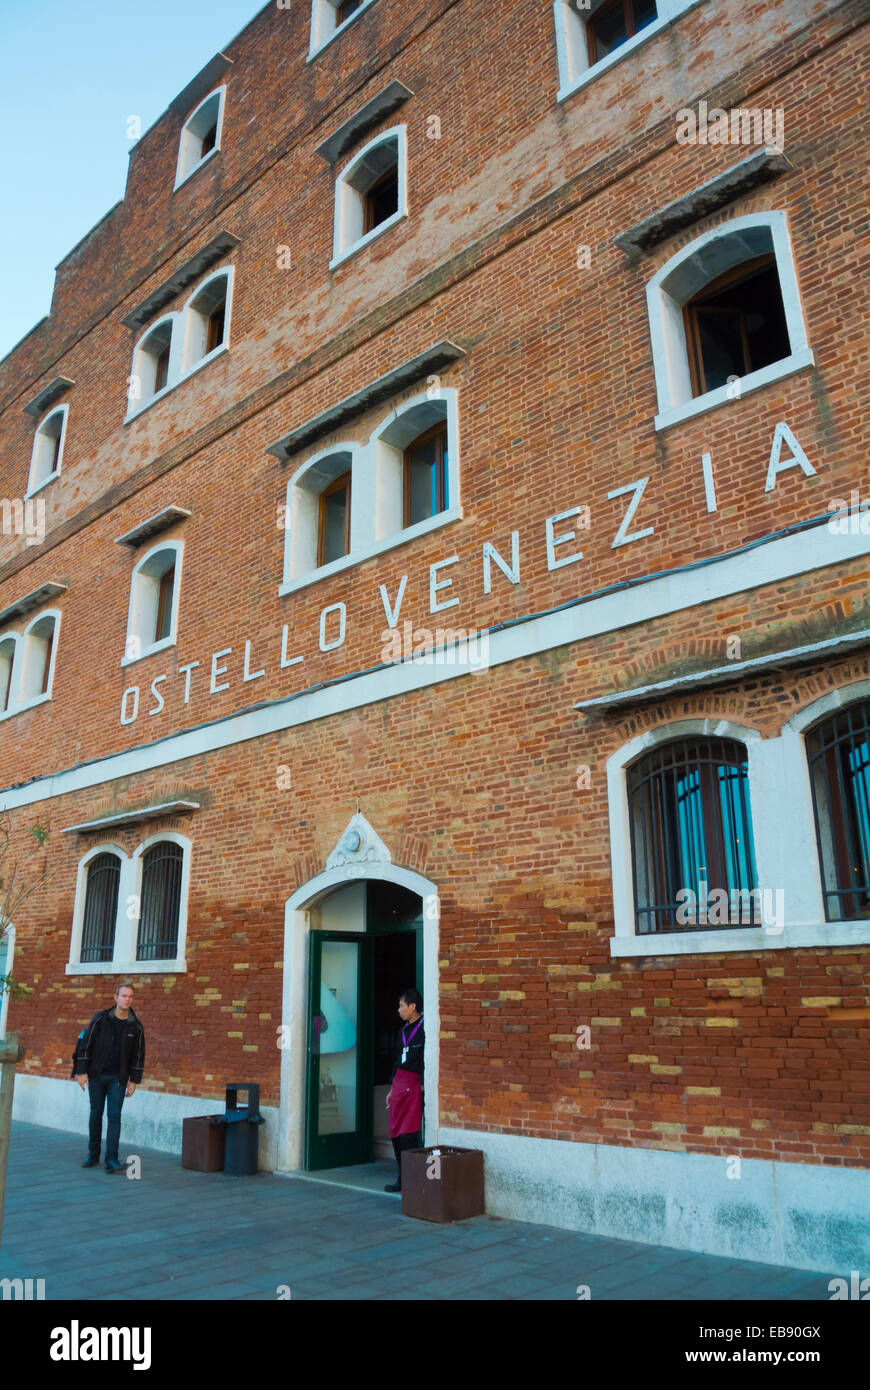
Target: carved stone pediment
359, 844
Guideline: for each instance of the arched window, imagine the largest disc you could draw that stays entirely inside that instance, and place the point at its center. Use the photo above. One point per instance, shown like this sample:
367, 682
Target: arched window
38, 660
328, 16
725, 317
207, 319
318, 528
45, 460
153, 601
416, 463
370, 193
426, 486
838, 751
101, 908
160, 901
7, 665
153, 366
201, 135
691, 830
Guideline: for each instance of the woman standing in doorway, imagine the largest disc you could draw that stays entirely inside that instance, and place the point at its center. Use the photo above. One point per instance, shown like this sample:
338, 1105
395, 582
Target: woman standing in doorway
405, 1099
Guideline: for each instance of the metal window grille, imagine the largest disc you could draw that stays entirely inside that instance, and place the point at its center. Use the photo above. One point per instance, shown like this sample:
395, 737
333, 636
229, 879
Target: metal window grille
691, 829
838, 751
161, 901
101, 907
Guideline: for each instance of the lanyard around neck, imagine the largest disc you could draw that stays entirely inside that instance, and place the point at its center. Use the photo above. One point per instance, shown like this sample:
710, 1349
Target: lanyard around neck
407, 1041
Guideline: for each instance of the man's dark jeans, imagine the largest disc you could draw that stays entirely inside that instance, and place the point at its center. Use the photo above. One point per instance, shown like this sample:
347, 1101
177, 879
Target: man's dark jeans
108, 1091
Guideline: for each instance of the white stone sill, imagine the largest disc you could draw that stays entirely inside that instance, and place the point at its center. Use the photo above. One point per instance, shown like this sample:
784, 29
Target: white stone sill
173, 385
743, 939
369, 237
160, 646
32, 491
711, 400
630, 45
196, 168
28, 704
420, 528
130, 967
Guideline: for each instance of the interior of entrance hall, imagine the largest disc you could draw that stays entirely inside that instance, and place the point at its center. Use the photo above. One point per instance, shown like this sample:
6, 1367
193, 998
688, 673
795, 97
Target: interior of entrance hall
366, 947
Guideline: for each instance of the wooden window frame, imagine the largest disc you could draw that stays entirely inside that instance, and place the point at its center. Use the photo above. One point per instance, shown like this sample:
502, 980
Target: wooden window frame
744, 271
49, 650
627, 7
167, 578
211, 341
340, 17
162, 365
439, 429
368, 212
210, 134
335, 486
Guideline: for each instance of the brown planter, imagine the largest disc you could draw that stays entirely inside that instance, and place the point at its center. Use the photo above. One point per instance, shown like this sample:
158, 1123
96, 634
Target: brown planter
202, 1144
442, 1184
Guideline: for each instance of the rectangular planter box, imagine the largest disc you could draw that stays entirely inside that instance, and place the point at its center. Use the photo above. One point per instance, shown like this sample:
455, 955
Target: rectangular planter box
202, 1144
442, 1183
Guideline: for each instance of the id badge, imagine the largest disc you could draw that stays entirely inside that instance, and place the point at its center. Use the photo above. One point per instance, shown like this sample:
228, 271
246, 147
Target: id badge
404, 1054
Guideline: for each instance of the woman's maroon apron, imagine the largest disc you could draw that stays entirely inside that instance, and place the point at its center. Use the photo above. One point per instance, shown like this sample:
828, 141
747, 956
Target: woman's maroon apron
406, 1103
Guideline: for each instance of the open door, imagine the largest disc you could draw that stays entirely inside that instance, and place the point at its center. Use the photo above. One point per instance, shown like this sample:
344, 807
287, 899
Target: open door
340, 1045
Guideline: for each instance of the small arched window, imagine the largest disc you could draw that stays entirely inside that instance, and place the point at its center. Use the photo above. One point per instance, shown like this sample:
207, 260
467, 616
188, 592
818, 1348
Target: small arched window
160, 901
426, 475
45, 460
153, 367
838, 751
38, 660
691, 829
153, 601
725, 317
101, 908
328, 16
201, 135
206, 315
370, 193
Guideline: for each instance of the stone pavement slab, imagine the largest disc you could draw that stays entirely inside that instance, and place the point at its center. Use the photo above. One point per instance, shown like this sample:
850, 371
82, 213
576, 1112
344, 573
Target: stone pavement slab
176, 1235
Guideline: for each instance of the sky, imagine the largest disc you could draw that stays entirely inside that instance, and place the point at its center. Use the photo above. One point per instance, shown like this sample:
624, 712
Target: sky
71, 73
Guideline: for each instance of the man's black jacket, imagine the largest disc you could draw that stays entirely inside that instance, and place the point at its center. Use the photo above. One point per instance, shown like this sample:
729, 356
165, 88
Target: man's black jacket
94, 1047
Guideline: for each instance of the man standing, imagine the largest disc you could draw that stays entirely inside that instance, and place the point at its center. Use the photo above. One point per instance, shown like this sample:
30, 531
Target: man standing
405, 1100
109, 1059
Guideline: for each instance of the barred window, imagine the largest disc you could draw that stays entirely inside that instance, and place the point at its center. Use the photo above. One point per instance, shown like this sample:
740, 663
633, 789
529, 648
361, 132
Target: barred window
160, 902
101, 908
839, 758
691, 832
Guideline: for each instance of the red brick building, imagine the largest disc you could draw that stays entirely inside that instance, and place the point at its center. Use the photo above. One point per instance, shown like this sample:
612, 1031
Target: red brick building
432, 550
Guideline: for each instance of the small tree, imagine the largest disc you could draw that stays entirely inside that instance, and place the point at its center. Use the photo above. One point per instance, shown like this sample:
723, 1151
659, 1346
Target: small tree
20, 878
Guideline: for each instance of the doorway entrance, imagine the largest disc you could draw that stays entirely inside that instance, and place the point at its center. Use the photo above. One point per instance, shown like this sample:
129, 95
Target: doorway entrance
355, 979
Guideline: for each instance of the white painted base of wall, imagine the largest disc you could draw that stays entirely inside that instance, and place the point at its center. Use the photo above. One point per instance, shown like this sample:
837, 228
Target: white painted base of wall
809, 1216
149, 1118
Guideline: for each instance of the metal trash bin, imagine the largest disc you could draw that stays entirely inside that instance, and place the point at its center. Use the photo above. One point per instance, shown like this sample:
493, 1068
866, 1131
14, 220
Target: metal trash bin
242, 1139
202, 1143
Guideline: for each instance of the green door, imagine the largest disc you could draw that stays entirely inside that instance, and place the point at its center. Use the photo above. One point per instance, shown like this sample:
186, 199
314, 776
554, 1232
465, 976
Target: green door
340, 1046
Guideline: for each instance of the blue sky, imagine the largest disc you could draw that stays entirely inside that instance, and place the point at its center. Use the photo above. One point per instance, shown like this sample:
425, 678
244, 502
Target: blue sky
70, 75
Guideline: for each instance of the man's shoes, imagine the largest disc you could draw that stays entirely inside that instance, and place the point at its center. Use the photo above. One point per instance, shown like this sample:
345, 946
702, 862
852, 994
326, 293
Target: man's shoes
91, 1162
393, 1186
112, 1165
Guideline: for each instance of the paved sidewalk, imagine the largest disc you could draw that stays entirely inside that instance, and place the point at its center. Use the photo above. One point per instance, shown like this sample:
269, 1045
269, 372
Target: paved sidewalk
173, 1234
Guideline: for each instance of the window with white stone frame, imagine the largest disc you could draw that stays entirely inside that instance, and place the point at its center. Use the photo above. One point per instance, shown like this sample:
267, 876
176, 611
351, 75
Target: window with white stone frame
725, 317
38, 655
47, 454
183, 341
201, 135
354, 500
330, 18
721, 840
154, 595
27, 662
370, 193
592, 35
206, 320
130, 911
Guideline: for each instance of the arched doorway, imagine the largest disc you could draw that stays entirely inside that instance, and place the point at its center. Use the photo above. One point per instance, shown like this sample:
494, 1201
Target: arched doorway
351, 937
